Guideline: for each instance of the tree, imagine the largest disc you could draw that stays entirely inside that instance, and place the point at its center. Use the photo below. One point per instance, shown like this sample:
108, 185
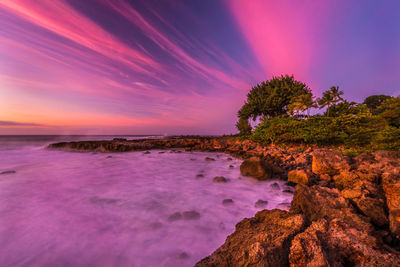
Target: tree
271, 98
345, 108
330, 97
302, 103
390, 111
243, 126
326, 101
336, 94
374, 101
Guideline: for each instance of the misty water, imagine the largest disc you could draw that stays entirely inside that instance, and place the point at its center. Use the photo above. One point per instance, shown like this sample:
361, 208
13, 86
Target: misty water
62, 208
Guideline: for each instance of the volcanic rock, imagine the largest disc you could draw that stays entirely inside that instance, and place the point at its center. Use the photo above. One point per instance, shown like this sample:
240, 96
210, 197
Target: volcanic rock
257, 168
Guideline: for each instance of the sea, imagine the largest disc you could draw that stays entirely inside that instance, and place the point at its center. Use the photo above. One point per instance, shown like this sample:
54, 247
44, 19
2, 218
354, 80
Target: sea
163, 208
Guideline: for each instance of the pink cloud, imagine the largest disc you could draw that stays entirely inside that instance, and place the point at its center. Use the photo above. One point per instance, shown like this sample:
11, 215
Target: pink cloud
282, 34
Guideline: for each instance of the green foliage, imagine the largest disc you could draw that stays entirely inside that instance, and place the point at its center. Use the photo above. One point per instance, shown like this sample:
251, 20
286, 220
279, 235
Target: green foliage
329, 98
243, 126
345, 107
271, 98
351, 130
388, 139
301, 103
389, 110
374, 101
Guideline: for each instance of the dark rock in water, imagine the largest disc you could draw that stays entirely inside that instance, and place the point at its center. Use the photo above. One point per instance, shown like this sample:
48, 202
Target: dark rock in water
256, 168
209, 159
263, 240
200, 175
275, 186
290, 184
161, 152
7, 172
227, 201
261, 204
175, 217
288, 191
183, 256
220, 179
109, 157
147, 152
119, 139
98, 200
191, 215
229, 159
231, 166
192, 159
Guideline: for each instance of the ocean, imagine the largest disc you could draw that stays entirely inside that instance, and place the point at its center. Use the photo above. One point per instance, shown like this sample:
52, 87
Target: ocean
161, 208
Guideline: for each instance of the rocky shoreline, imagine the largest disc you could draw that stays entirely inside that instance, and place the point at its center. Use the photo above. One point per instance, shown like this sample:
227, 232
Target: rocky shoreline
345, 211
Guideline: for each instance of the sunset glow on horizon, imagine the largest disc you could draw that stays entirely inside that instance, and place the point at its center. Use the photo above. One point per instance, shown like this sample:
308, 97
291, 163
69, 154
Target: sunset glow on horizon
181, 67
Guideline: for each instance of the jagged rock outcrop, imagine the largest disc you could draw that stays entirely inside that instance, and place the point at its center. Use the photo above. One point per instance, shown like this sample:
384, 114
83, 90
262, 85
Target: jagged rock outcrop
328, 162
263, 240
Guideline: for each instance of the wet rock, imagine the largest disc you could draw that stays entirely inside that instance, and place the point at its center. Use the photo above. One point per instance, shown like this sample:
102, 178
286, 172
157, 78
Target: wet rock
200, 176
260, 204
338, 234
227, 202
191, 215
231, 166
161, 152
263, 240
283, 206
275, 186
336, 243
175, 217
290, 191
256, 168
391, 187
220, 179
146, 152
328, 162
298, 177
7, 172
192, 159
229, 159
108, 157
209, 159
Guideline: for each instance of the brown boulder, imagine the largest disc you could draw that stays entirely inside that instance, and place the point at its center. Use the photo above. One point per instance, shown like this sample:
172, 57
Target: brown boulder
263, 240
328, 162
298, 177
257, 168
336, 243
391, 186
338, 234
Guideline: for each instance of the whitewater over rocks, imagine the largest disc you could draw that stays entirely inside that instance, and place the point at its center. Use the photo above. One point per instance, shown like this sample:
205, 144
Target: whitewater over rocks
345, 211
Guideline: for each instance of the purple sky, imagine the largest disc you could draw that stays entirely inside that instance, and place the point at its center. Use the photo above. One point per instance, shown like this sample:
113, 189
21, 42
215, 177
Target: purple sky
181, 67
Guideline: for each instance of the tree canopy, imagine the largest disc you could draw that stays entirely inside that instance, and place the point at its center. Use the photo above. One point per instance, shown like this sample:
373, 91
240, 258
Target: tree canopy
271, 98
374, 101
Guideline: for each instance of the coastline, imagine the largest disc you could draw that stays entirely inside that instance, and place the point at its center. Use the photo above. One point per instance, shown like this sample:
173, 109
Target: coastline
344, 210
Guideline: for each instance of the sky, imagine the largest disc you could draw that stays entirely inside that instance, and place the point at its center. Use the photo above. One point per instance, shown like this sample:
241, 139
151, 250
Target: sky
181, 66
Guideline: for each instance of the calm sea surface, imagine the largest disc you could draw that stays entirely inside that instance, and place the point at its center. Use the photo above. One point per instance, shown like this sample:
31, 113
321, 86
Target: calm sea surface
62, 208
